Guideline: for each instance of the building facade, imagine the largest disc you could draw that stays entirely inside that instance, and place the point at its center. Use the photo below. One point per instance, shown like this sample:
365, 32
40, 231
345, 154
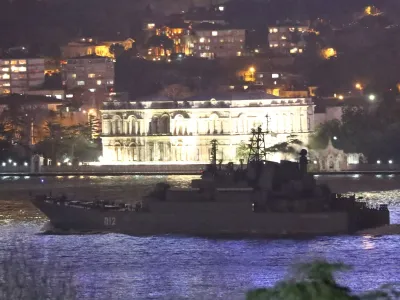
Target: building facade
20, 75
89, 46
162, 131
287, 38
89, 72
219, 42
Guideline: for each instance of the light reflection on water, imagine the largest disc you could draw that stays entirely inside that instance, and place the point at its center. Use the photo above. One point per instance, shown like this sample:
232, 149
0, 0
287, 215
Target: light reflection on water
123, 267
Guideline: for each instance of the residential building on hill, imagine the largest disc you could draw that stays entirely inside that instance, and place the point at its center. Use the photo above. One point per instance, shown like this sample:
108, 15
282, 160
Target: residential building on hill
287, 37
90, 46
18, 75
213, 41
90, 72
159, 130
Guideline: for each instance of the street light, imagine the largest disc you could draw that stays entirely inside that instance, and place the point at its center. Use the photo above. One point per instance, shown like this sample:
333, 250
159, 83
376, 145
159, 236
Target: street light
358, 86
335, 138
252, 70
372, 97
390, 162
378, 162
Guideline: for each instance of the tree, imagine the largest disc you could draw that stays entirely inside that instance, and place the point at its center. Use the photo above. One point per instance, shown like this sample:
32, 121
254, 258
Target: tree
289, 147
242, 151
176, 92
117, 49
315, 281
161, 41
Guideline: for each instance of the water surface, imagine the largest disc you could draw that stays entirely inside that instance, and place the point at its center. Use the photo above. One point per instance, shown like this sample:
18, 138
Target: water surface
123, 267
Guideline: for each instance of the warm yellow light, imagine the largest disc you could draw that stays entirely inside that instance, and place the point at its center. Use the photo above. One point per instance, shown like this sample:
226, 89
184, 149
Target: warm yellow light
328, 53
252, 69
340, 97
358, 86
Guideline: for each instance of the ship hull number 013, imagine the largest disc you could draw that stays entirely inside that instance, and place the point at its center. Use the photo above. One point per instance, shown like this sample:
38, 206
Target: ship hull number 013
110, 221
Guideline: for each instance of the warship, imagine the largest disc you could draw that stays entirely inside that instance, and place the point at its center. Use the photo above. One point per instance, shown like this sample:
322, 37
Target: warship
267, 199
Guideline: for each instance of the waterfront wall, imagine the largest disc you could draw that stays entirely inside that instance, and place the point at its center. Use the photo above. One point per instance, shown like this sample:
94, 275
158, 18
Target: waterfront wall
167, 169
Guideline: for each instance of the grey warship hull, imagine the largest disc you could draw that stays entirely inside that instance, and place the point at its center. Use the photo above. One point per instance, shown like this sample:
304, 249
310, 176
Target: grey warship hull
211, 219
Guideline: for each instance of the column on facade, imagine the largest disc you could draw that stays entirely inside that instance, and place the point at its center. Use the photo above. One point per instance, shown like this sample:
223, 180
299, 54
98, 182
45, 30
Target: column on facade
304, 121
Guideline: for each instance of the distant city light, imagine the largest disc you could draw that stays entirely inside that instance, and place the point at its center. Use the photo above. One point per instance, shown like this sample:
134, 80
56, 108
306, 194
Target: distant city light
221, 8
378, 162
252, 69
25, 164
15, 164
10, 161
340, 97
335, 138
358, 86
3, 164
372, 97
390, 161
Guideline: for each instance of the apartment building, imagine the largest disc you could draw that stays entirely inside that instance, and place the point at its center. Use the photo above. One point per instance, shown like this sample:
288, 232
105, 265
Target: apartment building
287, 38
218, 41
89, 72
18, 75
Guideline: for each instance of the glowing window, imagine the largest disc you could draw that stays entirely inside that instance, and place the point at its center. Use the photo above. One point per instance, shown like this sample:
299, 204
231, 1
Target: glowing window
22, 62
5, 69
214, 33
14, 62
81, 82
202, 40
6, 76
22, 69
275, 75
91, 75
73, 75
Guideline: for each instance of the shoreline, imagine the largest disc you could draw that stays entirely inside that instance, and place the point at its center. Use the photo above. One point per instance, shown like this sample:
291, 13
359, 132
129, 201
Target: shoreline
193, 173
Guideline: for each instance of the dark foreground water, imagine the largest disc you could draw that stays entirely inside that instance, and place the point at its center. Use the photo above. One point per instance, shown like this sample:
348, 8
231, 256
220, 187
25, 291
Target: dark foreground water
123, 267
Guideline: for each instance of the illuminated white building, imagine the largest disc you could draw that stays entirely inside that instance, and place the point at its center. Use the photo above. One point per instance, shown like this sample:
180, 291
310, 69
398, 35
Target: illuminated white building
164, 131
20, 74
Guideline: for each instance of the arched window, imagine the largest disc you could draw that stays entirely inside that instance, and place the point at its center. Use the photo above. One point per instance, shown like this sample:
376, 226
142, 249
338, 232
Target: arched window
179, 125
154, 125
214, 124
116, 125
164, 124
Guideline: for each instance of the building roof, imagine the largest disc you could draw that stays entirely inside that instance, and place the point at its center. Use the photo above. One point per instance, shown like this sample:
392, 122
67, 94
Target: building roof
91, 56
211, 26
28, 99
232, 95
218, 96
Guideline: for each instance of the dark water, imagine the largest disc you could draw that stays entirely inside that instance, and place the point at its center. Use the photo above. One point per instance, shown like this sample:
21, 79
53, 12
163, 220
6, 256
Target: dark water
122, 267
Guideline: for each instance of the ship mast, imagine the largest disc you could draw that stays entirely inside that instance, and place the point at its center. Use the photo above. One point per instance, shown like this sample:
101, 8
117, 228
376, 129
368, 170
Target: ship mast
257, 151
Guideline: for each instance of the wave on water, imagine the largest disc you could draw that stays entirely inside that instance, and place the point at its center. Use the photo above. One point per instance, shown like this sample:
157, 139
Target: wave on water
49, 229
